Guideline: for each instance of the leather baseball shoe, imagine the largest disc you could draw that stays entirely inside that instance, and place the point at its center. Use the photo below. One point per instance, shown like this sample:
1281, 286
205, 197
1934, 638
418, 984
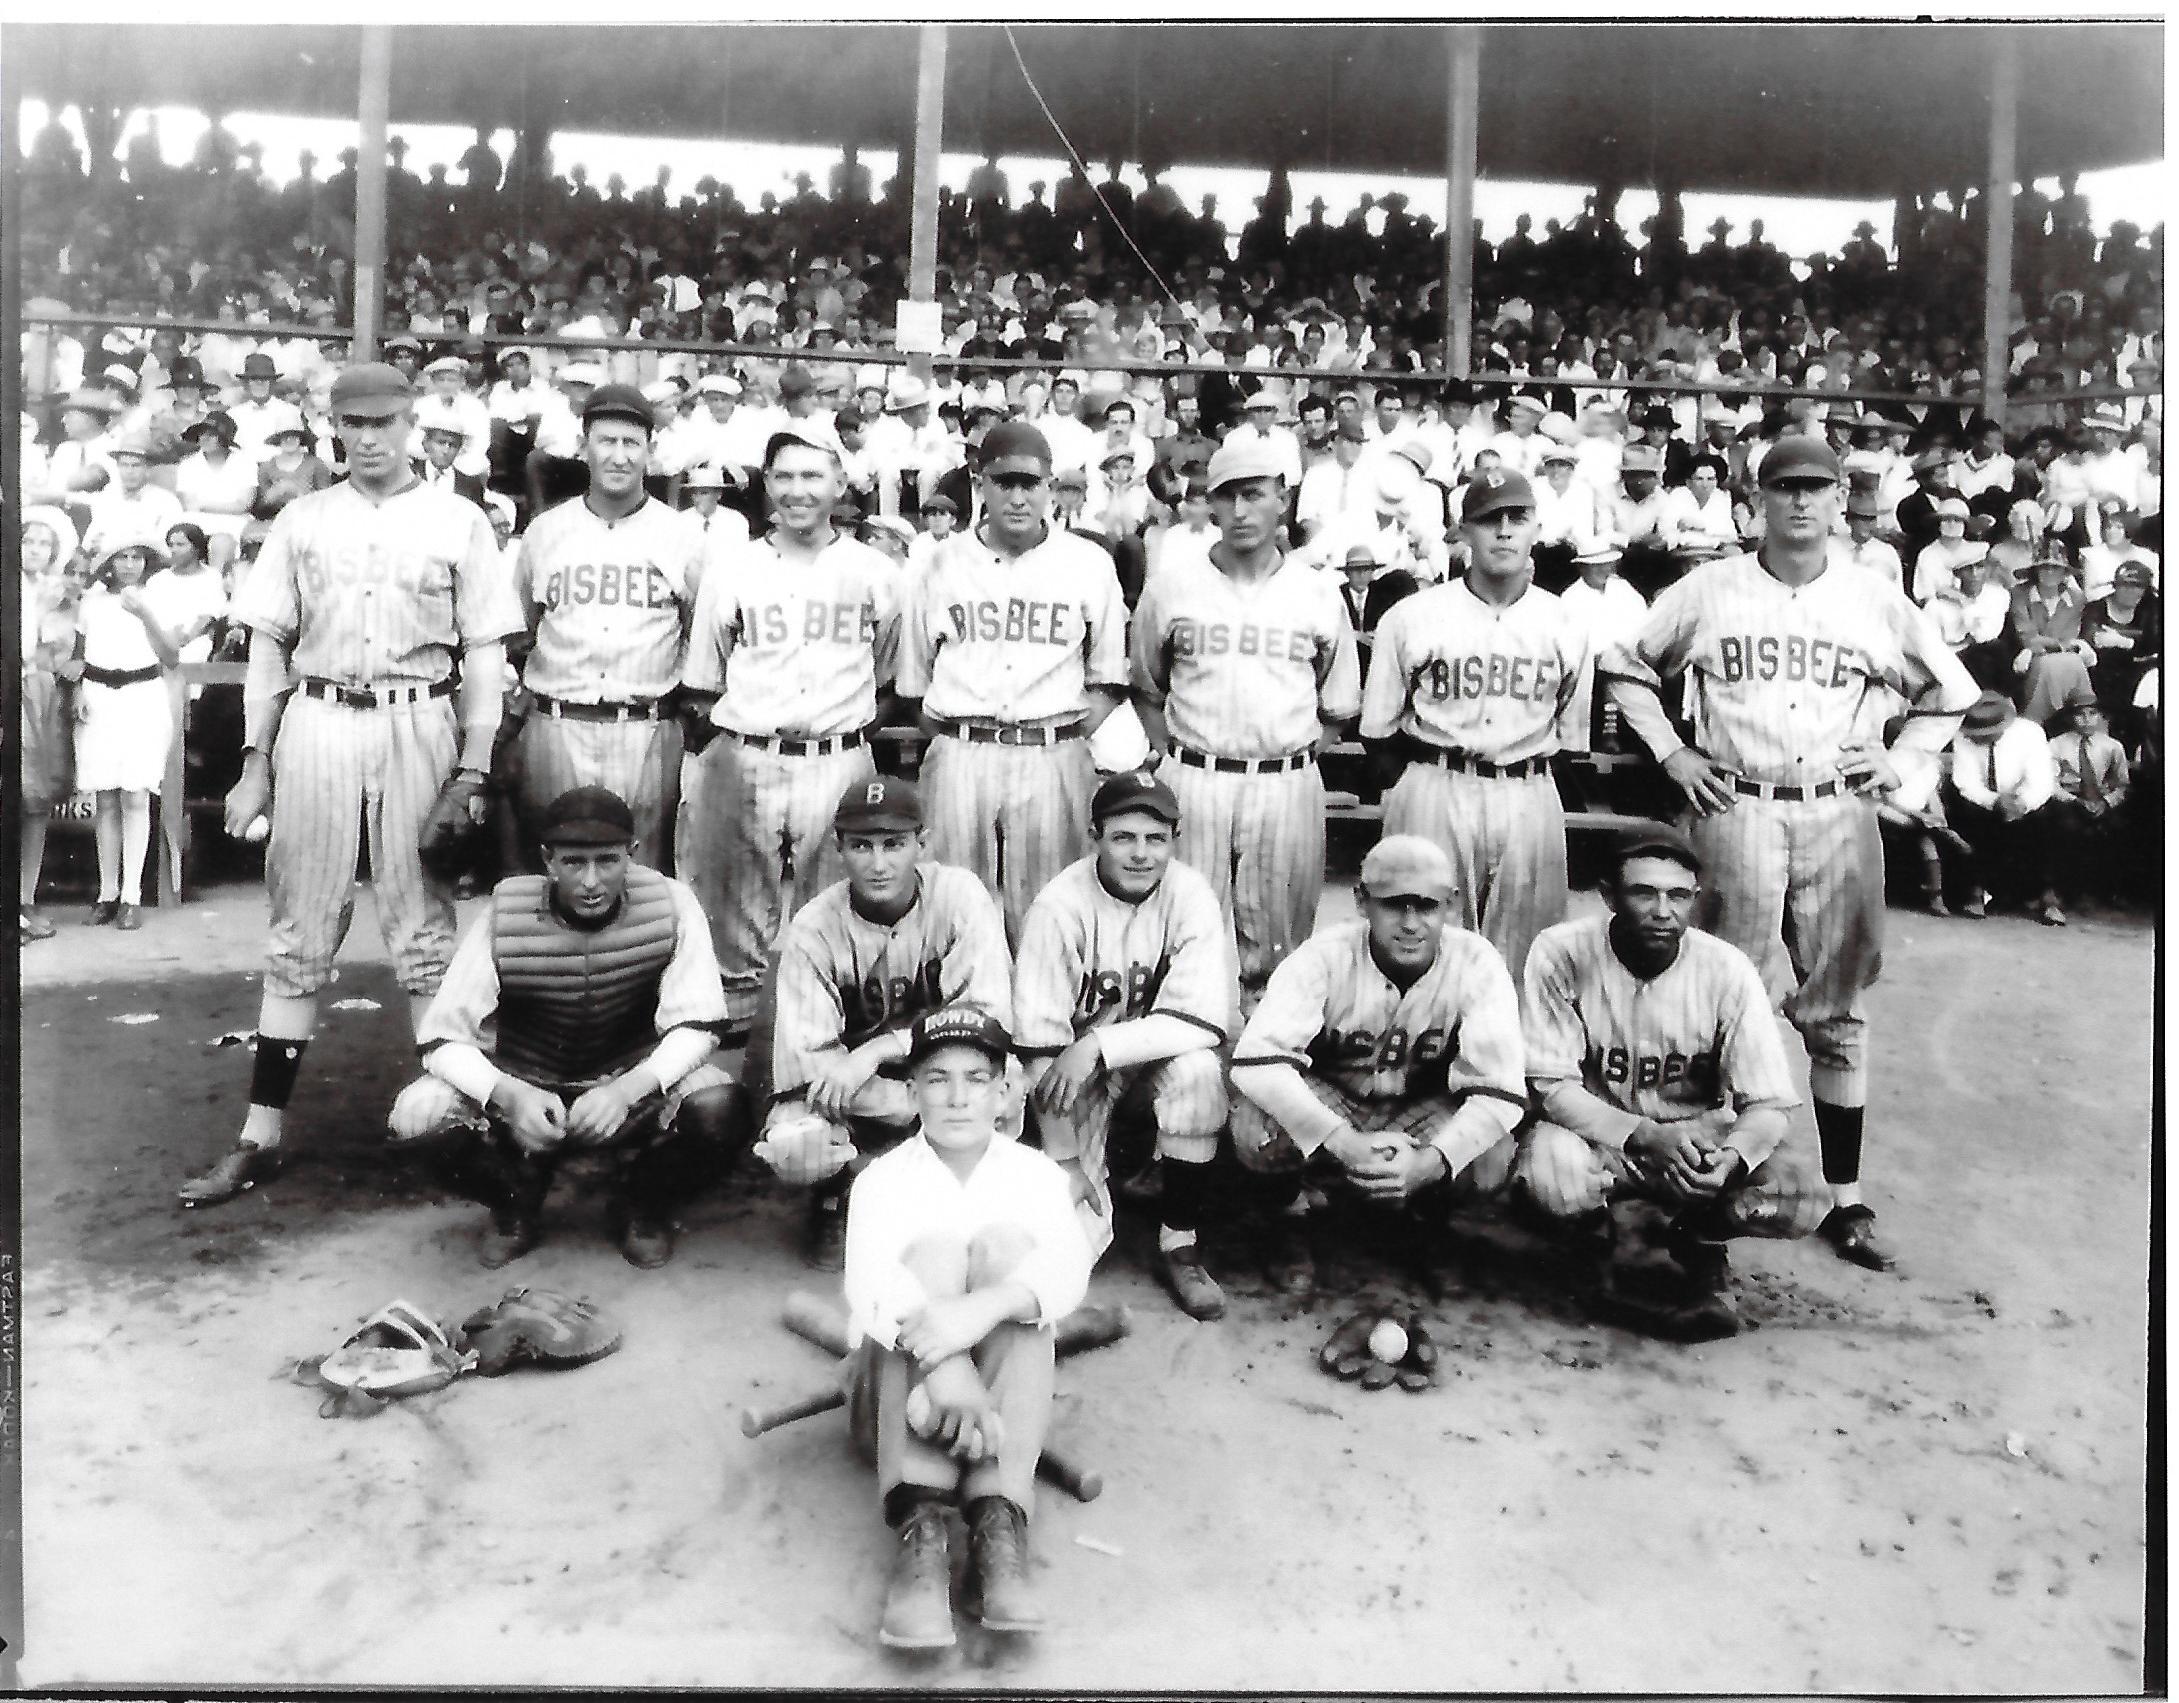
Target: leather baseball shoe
1851, 1230
1189, 1284
239, 1170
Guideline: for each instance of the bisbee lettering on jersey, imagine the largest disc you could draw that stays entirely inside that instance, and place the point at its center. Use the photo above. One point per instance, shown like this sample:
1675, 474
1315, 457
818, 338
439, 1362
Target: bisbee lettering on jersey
1017, 620
1766, 657
319, 568
631, 585
1133, 989
1245, 638
1375, 1050
1438, 678
868, 1004
772, 625
1618, 1067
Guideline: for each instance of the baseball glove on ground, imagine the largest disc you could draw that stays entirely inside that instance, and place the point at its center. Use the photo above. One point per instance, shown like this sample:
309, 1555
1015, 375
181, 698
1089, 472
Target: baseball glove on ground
539, 1325
453, 833
1348, 1354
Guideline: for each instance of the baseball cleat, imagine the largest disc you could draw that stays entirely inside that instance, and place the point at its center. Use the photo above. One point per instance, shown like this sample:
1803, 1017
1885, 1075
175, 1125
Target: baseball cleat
239, 1170
1189, 1284
646, 1242
102, 913
1290, 1264
1851, 1230
1000, 1595
132, 917
32, 926
511, 1234
918, 1607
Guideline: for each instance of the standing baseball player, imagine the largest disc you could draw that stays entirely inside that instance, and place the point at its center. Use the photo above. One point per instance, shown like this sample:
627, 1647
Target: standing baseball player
608, 581
371, 605
1123, 997
1016, 645
1244, 667
1794, 668
580, 1014
790, 664
1473, 686
1657, 1071
1386, 1056
901, 935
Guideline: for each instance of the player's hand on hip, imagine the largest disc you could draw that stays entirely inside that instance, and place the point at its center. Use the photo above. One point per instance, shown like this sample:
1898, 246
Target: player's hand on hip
534, 1117
1071, 1077
1708, 785
835, 1080
1868, 769
249, 798
598, 1114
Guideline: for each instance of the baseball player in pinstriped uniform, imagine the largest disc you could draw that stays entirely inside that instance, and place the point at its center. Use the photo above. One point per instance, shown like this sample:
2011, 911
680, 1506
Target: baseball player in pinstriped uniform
579, 1014
1472, 685
608, 580
901, 935
361, 604
1386, 1051
790, 663
1123, 998
1016, 644
1657, 1070
1243, 667
1794, 667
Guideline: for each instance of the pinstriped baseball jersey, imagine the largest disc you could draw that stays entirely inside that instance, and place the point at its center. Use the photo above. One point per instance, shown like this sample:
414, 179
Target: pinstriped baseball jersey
1696, 1037
1787, 676
1330, 1011
1019, 641
1089, 960
801, 648
844, 978
1245, 670
1455, 671
609, 600
372, 593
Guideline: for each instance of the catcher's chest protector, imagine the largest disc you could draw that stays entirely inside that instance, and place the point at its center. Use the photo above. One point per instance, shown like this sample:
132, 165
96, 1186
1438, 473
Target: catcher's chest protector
575, 1004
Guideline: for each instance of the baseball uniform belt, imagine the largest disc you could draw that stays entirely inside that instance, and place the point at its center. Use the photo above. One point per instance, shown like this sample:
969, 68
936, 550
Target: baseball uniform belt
1787, 794
118, 676
1468, 765
1011, 735
633, 709
1243, 765
374, 697
799, 747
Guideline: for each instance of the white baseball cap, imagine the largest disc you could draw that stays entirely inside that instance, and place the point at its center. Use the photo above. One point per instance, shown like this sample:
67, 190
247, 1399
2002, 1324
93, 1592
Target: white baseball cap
582, 372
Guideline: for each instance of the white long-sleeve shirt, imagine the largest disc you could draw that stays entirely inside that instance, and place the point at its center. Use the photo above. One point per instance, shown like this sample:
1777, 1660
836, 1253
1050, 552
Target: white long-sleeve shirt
2012, 773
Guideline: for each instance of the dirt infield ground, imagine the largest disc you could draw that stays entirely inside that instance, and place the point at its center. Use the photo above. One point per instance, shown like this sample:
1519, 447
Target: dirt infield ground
1927, 1481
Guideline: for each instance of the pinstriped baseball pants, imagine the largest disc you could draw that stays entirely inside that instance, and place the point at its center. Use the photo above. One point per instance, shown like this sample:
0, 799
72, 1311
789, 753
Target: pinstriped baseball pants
339, 773
638, 760
1567, 1176
1259, 841
1507, 842
1012, 815
1800, 889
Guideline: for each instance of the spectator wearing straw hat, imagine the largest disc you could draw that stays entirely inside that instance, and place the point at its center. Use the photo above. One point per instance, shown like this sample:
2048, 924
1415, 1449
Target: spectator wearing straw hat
287, 469
133, 506
447, 402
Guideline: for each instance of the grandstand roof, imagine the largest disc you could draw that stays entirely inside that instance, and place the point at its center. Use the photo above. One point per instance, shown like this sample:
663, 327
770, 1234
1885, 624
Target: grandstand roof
1846, 110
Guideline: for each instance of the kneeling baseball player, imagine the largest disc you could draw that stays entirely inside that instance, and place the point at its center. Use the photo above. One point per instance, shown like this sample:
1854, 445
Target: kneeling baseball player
1386, 1056
963, 1251
1658, 1072
579, 1014
1124, 995
899, 937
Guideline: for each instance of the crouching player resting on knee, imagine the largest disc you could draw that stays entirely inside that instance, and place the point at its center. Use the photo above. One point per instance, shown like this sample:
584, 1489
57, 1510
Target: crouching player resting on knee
1658, 1072
963, 1252
579, 1014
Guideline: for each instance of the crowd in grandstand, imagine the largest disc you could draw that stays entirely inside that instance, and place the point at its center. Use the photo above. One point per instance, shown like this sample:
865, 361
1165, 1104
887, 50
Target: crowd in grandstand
2035, 543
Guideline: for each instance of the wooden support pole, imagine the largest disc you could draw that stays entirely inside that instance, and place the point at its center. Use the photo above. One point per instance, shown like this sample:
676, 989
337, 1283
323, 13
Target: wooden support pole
372, 103
930, 103
1466, 51
1997, 210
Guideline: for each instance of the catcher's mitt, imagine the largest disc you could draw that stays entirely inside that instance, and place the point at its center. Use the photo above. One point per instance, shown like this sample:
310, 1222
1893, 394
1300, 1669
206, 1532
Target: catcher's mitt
453, 833
1347, 1354
537, 1324
398, 1351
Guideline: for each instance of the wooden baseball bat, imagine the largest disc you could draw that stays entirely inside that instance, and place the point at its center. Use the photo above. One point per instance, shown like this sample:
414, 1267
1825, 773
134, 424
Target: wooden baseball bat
1082, 1483
819, 1323
755, 1421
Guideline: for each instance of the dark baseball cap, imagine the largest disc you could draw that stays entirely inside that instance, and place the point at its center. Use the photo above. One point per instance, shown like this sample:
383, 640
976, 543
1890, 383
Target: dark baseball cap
1135, 789
958, 1026
588, 816
372, 389
1014, 437
882, 801
618, 402
1494, 489
1799, 461
1656, 839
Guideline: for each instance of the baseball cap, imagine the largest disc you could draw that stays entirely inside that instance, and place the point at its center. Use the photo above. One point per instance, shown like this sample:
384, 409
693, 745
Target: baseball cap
814, 433
1135, 789
891, 525
403, 340
1261, 399
447, 364
1494, 489
2133, 571
718, 384
1017, 437
1406, 866
1238, 458
1558, 452
372, 389
882, 801
582, 372
1799, 461
958, 1026
1529, 404
588, 816
618, 402
1656, 839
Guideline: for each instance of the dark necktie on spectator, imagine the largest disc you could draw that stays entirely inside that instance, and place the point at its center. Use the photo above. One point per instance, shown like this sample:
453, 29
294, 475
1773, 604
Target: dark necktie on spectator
1990, 762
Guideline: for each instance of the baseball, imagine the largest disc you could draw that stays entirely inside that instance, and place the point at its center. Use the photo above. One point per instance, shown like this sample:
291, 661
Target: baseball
1388, 1342
257, 831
